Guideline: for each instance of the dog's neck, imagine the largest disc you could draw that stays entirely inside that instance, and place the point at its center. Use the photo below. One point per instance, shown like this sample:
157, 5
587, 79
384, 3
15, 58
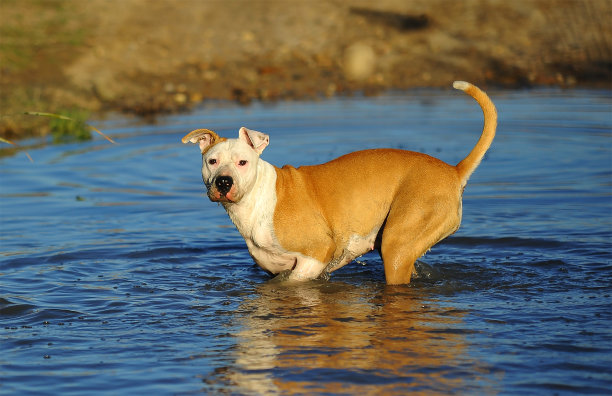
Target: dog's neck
253, 214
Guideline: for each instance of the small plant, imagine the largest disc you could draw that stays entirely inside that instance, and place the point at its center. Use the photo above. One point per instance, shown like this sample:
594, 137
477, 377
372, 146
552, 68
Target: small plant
70, 127
66, 128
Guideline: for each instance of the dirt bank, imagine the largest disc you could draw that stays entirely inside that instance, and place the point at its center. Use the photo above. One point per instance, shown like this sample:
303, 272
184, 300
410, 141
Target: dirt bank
152, 56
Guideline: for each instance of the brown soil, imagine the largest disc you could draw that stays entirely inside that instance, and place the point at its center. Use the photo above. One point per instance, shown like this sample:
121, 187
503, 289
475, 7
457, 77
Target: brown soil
153, 56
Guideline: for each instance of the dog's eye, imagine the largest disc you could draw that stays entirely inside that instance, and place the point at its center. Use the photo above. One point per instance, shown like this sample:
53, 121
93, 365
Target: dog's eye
212, 161
242, 162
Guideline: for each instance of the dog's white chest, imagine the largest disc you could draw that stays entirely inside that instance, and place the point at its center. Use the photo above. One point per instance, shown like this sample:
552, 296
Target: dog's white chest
254, 219
271, 258
263, 246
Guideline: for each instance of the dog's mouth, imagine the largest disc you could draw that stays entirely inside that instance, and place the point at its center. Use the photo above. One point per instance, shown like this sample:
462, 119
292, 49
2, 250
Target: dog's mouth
222, 190
222, 199
216, 196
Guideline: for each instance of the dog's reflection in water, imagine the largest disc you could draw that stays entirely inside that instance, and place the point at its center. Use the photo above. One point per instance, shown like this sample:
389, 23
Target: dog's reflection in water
322, 336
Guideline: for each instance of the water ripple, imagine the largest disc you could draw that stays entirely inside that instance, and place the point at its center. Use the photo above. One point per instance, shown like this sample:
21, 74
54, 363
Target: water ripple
132, 282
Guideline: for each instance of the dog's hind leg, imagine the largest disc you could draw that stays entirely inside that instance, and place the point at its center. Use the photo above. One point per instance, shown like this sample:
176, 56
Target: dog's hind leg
410, 231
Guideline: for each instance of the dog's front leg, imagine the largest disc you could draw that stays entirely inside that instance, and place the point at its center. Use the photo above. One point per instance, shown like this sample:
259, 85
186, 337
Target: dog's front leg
306, 268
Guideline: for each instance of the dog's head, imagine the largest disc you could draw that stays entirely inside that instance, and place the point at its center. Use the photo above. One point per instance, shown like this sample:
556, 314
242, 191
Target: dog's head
229, 166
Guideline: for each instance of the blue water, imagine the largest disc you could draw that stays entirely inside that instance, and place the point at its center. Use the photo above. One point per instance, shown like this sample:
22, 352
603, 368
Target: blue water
117, 275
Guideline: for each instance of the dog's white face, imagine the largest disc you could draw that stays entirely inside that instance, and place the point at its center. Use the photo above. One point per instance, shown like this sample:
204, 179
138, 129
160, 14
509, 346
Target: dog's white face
229, 168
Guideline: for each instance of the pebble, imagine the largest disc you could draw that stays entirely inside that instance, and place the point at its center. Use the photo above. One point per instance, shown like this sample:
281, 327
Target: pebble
359, 61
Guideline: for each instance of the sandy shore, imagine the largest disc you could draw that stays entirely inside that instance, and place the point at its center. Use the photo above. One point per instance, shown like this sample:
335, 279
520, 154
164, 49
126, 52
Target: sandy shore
148, 57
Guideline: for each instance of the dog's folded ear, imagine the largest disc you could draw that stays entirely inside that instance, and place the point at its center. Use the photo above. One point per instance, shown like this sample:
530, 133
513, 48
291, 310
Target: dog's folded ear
205, 137
257, 140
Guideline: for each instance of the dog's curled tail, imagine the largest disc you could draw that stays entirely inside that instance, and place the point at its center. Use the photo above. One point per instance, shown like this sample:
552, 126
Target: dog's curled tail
466, 167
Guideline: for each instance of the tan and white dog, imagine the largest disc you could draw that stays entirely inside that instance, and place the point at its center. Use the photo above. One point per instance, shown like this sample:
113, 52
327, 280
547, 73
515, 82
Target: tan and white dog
315, 219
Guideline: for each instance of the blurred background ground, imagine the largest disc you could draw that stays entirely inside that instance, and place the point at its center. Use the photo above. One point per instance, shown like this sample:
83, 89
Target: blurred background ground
148, 57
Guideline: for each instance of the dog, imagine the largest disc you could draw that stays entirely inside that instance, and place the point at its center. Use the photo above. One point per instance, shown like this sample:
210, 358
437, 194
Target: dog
312, 220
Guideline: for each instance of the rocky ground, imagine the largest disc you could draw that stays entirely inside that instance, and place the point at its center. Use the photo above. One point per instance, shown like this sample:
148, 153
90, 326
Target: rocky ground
148, 57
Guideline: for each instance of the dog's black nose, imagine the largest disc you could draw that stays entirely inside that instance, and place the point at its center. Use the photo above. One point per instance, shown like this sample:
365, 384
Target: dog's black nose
224, 184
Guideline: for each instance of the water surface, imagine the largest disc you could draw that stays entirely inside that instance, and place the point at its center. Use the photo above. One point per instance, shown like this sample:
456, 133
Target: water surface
117, 274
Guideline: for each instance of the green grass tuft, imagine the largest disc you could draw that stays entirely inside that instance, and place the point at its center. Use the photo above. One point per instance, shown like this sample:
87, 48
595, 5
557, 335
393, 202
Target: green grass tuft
70, 127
